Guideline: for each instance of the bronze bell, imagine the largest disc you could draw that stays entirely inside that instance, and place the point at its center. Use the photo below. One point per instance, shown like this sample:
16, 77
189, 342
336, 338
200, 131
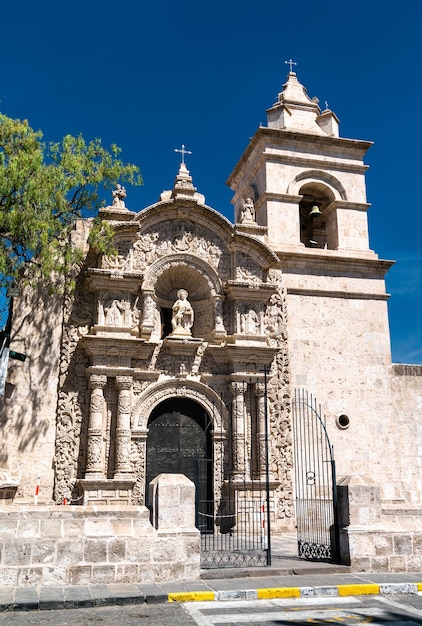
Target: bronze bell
315, 212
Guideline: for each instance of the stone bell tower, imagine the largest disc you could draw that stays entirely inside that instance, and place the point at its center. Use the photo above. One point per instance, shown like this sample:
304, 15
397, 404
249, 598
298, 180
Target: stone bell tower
307, 185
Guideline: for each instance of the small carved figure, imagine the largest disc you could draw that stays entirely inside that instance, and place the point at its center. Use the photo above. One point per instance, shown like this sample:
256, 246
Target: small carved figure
248, 211
182, 320
113, 313
182, 239
119, 195
249, 322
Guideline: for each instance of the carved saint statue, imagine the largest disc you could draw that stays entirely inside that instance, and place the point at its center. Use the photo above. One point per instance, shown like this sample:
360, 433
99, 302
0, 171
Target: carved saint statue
248, 211
182, 320
119, 195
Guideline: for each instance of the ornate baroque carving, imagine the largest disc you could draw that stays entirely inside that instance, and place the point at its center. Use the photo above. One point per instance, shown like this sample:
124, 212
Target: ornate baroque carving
137, 458
279, 401
170, 237
71, 422
247, 269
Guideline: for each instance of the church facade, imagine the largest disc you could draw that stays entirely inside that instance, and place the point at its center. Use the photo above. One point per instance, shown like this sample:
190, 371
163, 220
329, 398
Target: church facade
193, 338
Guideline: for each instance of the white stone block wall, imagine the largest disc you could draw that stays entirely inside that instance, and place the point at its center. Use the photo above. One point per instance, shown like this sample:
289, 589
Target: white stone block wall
99, 544
339, 351
377, 539
406, 385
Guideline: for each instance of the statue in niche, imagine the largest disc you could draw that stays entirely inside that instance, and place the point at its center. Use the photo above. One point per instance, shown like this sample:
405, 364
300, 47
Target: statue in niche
248, 211
119, 195
182, 320
249, 322
113, 313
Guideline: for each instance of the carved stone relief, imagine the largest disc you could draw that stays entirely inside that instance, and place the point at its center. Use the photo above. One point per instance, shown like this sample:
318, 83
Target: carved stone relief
247, 270
122, 260
195, 391
198, 357
71, 422
170, 237
114, 309
279, 402
137, 459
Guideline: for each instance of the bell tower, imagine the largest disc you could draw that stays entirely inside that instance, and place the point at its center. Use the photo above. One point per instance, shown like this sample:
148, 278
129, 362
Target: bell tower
307, 183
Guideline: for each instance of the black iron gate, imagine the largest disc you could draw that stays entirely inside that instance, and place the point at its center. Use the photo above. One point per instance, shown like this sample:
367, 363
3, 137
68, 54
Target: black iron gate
227, 459
235, 525
315, 482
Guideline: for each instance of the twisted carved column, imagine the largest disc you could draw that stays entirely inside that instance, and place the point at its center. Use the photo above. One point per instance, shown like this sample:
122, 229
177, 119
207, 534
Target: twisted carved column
238, 431
94, 462
122, 466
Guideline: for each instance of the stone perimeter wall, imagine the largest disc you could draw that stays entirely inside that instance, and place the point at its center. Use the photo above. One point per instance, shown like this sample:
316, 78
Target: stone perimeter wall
374, 538
99, 544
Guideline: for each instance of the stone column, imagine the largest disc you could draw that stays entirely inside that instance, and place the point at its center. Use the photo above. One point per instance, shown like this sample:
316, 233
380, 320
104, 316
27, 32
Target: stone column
261, 432
238, 431
122, 467
94, 462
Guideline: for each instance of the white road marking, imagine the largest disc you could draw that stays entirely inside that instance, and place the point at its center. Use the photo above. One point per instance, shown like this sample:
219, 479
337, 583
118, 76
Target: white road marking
398, 605
290, 610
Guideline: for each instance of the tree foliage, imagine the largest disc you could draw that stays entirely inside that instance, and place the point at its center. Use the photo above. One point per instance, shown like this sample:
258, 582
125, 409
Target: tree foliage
44, 188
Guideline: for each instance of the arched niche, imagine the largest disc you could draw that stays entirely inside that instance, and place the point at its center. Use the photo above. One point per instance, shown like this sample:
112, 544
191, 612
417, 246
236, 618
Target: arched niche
165, 278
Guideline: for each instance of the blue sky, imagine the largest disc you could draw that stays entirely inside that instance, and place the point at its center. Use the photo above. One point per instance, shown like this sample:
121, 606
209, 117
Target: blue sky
150, 76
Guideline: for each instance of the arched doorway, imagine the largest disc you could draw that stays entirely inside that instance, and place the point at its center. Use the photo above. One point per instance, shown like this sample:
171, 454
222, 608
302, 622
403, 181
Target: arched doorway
179, 442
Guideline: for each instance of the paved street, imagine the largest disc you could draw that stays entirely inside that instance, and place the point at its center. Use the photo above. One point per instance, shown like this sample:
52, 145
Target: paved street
128, 615
400, 610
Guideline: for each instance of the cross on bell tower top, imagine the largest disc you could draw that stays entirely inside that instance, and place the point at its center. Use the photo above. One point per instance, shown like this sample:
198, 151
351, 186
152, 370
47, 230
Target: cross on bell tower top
291, 63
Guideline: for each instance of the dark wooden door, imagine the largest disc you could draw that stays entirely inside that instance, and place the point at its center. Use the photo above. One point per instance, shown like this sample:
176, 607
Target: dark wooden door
178, 442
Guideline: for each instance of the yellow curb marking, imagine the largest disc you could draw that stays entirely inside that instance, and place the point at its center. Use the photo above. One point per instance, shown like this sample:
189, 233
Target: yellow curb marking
418, 586
191, 596
357, 590
278, 592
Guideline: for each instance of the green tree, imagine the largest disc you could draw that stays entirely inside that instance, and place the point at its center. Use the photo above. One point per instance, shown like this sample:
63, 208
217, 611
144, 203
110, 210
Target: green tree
44, 188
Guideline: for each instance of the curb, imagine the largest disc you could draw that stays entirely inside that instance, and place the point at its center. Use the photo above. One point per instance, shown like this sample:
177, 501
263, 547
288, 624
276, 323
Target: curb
269, 593
30, 598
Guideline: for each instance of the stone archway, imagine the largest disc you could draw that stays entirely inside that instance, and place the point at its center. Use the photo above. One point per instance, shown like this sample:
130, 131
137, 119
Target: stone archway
179, 441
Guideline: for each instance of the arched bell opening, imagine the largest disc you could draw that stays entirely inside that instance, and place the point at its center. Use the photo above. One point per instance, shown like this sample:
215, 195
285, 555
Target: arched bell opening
318, 227
179, 441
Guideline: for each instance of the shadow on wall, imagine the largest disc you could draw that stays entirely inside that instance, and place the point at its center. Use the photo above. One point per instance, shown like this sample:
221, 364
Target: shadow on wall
36, 331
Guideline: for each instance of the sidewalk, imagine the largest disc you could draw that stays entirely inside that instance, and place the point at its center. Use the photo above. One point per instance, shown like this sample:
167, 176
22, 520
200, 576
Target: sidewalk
288, 576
